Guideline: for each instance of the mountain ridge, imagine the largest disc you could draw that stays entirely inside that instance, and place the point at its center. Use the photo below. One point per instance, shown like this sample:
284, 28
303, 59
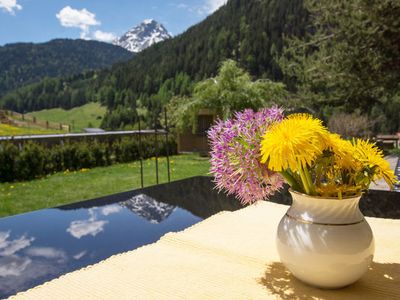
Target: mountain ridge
25, 63
142, 36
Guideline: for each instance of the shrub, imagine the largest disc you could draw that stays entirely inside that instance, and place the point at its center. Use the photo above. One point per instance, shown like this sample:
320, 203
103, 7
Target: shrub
351, 125
35, 160
8, 156
69, 156
83, 157
172, 148
54, 159
129, 150
117, 152
30, 162
99, 152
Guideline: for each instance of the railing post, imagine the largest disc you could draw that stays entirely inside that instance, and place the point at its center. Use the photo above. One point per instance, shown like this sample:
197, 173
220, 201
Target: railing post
140, 156
166, 144
156, 146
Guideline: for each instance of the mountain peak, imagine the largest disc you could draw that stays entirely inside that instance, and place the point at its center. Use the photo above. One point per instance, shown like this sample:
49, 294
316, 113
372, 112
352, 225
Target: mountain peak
144, 35
148, 21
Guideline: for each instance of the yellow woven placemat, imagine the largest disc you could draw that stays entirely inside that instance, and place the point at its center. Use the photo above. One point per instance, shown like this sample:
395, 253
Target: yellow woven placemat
231, 255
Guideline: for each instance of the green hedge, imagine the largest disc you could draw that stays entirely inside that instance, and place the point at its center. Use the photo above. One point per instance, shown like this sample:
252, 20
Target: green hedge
36, 160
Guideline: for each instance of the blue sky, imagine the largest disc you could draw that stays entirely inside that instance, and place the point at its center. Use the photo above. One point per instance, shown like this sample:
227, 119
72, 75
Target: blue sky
43, 20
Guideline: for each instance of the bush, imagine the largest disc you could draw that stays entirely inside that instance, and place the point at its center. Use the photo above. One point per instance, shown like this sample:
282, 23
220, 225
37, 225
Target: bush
84, 157
55, 159
34, 160
351, 125
30, 162
129, 150
99, 152
8, 157
172, 148
69, 156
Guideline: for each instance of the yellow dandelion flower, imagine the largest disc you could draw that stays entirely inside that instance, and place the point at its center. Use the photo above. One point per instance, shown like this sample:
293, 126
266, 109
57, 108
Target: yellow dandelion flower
372, 158
293, 143
343, 151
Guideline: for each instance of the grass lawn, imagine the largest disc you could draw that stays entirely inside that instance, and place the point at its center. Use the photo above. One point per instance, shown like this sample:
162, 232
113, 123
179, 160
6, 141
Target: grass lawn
69, 187
80, 117
8, 130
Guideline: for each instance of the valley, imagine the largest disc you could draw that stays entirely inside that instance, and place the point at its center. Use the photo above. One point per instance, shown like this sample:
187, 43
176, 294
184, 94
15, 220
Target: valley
88, 115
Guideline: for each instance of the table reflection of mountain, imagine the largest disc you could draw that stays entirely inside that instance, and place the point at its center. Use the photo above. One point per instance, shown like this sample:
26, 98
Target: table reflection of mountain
148, 208
196, 195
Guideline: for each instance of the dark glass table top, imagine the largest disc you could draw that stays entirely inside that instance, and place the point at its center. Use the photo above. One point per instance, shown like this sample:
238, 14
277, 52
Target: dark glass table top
38, 246
42, 245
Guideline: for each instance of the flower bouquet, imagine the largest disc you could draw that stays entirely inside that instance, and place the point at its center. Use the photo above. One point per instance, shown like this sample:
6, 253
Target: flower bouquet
253, 153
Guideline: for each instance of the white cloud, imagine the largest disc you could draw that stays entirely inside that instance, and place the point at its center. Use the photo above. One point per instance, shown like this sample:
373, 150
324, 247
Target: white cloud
82, 228
9, 247
212, 5
80, 255
111, 209
83, 19
47, 252
91, 226
10, 6
102, 36
13, 265
206, 8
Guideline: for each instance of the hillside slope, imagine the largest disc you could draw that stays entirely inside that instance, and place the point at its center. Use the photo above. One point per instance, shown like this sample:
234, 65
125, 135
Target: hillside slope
250, 32
88, 115
24, 63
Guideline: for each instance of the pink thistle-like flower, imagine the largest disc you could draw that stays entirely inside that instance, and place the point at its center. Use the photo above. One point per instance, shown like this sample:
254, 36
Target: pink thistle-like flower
235, 155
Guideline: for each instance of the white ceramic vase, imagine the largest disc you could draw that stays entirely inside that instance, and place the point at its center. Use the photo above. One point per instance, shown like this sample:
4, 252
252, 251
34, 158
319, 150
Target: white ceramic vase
325, 242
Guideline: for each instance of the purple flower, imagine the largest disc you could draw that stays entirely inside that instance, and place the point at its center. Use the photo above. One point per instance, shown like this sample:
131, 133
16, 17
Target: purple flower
235, 155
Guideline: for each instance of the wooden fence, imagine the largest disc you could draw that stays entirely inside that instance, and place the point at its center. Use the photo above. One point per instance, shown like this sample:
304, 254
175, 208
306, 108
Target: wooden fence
18, 119
51, 139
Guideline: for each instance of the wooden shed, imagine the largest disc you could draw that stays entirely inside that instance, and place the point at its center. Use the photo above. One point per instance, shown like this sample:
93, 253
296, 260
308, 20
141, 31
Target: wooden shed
197, 142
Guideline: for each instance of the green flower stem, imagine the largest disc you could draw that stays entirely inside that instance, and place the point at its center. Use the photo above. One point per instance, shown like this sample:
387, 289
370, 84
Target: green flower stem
309, 181
291, 181
303, 179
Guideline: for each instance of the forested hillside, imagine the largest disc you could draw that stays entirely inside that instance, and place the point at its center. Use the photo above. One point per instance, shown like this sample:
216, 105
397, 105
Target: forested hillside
24, 63
250, 32
349, 63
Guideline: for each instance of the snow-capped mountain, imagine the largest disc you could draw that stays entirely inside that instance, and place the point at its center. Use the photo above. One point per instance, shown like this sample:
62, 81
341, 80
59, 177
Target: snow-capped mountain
142, 36
148, 208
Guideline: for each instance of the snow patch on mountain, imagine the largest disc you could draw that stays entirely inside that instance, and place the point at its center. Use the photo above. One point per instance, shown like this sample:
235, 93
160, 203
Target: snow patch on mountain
148, 33
148, 208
